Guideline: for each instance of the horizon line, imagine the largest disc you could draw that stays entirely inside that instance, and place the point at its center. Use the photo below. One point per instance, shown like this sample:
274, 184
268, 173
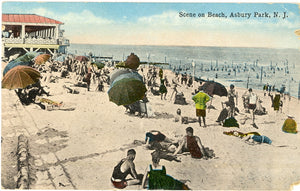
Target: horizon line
188, 46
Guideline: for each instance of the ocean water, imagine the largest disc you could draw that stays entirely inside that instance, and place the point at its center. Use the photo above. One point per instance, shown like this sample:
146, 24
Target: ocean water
279, 67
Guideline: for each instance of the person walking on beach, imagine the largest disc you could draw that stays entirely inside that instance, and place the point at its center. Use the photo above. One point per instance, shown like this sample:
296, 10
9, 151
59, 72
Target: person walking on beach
231, 96
252, 105
174, 88
122, 169
87, 79
200, 100
192, 144
163, 89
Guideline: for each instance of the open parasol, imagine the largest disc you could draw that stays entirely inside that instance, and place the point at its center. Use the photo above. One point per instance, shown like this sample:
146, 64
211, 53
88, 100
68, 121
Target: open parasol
132, 61
20, 77
214, 88
126, 89
41, 59
24, 60
99, 65
82, 58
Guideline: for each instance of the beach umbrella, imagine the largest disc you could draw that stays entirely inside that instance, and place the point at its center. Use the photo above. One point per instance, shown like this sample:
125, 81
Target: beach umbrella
24, 60
132, 61
41, 59
121, 65
116, 73
99, 65
127, 89
81, 58
61, 58
20, 77
214, 88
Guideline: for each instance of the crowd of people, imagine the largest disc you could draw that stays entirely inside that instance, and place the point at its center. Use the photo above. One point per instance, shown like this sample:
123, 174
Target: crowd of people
85, 73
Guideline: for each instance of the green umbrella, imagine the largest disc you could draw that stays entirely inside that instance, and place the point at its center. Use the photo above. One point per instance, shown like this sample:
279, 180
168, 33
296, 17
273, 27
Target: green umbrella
99, 65
127, 89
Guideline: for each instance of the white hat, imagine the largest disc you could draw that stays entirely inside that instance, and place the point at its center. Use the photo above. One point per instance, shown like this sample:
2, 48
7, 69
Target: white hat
290, 116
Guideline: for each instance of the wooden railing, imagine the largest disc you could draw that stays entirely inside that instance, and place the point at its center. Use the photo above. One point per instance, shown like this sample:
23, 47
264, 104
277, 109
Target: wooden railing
35, 41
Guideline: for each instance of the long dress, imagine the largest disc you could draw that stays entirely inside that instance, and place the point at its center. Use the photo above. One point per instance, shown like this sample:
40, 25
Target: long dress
162, 87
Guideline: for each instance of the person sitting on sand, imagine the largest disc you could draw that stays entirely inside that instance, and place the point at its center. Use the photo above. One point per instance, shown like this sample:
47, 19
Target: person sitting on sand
289, 125
245, 98
124, 168
157, 178
192, 144
157, 140
224, 113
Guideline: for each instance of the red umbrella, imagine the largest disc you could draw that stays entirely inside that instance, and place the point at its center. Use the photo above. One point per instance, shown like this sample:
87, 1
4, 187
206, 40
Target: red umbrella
82, 58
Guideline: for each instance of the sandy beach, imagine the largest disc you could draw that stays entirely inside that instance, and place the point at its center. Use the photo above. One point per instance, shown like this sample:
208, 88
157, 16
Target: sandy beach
78, 149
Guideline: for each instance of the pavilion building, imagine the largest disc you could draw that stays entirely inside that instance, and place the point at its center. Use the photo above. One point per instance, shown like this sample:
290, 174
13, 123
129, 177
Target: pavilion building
22, 33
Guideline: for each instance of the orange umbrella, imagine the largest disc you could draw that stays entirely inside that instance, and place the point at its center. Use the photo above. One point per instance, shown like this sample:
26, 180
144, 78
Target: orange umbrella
20, 77
42, 58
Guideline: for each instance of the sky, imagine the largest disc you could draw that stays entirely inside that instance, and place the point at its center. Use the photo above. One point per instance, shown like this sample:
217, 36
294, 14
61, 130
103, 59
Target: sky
154, 23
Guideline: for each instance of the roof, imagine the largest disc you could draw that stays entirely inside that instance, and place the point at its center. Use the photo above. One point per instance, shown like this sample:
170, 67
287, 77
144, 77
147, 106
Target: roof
28, 18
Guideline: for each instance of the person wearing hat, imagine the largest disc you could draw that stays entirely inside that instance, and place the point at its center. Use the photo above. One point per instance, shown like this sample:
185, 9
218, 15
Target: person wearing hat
289, 125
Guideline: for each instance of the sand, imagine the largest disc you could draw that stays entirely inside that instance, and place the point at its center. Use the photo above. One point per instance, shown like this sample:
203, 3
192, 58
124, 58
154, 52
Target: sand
78, 149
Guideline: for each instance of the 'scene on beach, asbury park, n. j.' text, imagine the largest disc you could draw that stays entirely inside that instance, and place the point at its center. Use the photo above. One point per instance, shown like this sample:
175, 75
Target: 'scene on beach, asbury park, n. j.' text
259, 15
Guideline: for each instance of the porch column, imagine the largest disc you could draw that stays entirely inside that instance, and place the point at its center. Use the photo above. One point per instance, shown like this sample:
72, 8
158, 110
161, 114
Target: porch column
23, 32
56, 32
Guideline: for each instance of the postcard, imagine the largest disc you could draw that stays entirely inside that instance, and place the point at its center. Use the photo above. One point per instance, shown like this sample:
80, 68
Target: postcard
150, 95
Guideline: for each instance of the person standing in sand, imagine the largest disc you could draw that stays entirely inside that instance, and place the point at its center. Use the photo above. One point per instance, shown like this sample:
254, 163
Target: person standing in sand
192, 144
122, 169
174, 88
252, 105
231, 96
200, 100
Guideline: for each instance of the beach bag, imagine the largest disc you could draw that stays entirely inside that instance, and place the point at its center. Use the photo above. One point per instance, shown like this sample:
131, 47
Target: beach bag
231, 122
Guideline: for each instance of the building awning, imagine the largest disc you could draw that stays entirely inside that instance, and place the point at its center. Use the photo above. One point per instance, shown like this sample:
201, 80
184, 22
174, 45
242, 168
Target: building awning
28, 18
